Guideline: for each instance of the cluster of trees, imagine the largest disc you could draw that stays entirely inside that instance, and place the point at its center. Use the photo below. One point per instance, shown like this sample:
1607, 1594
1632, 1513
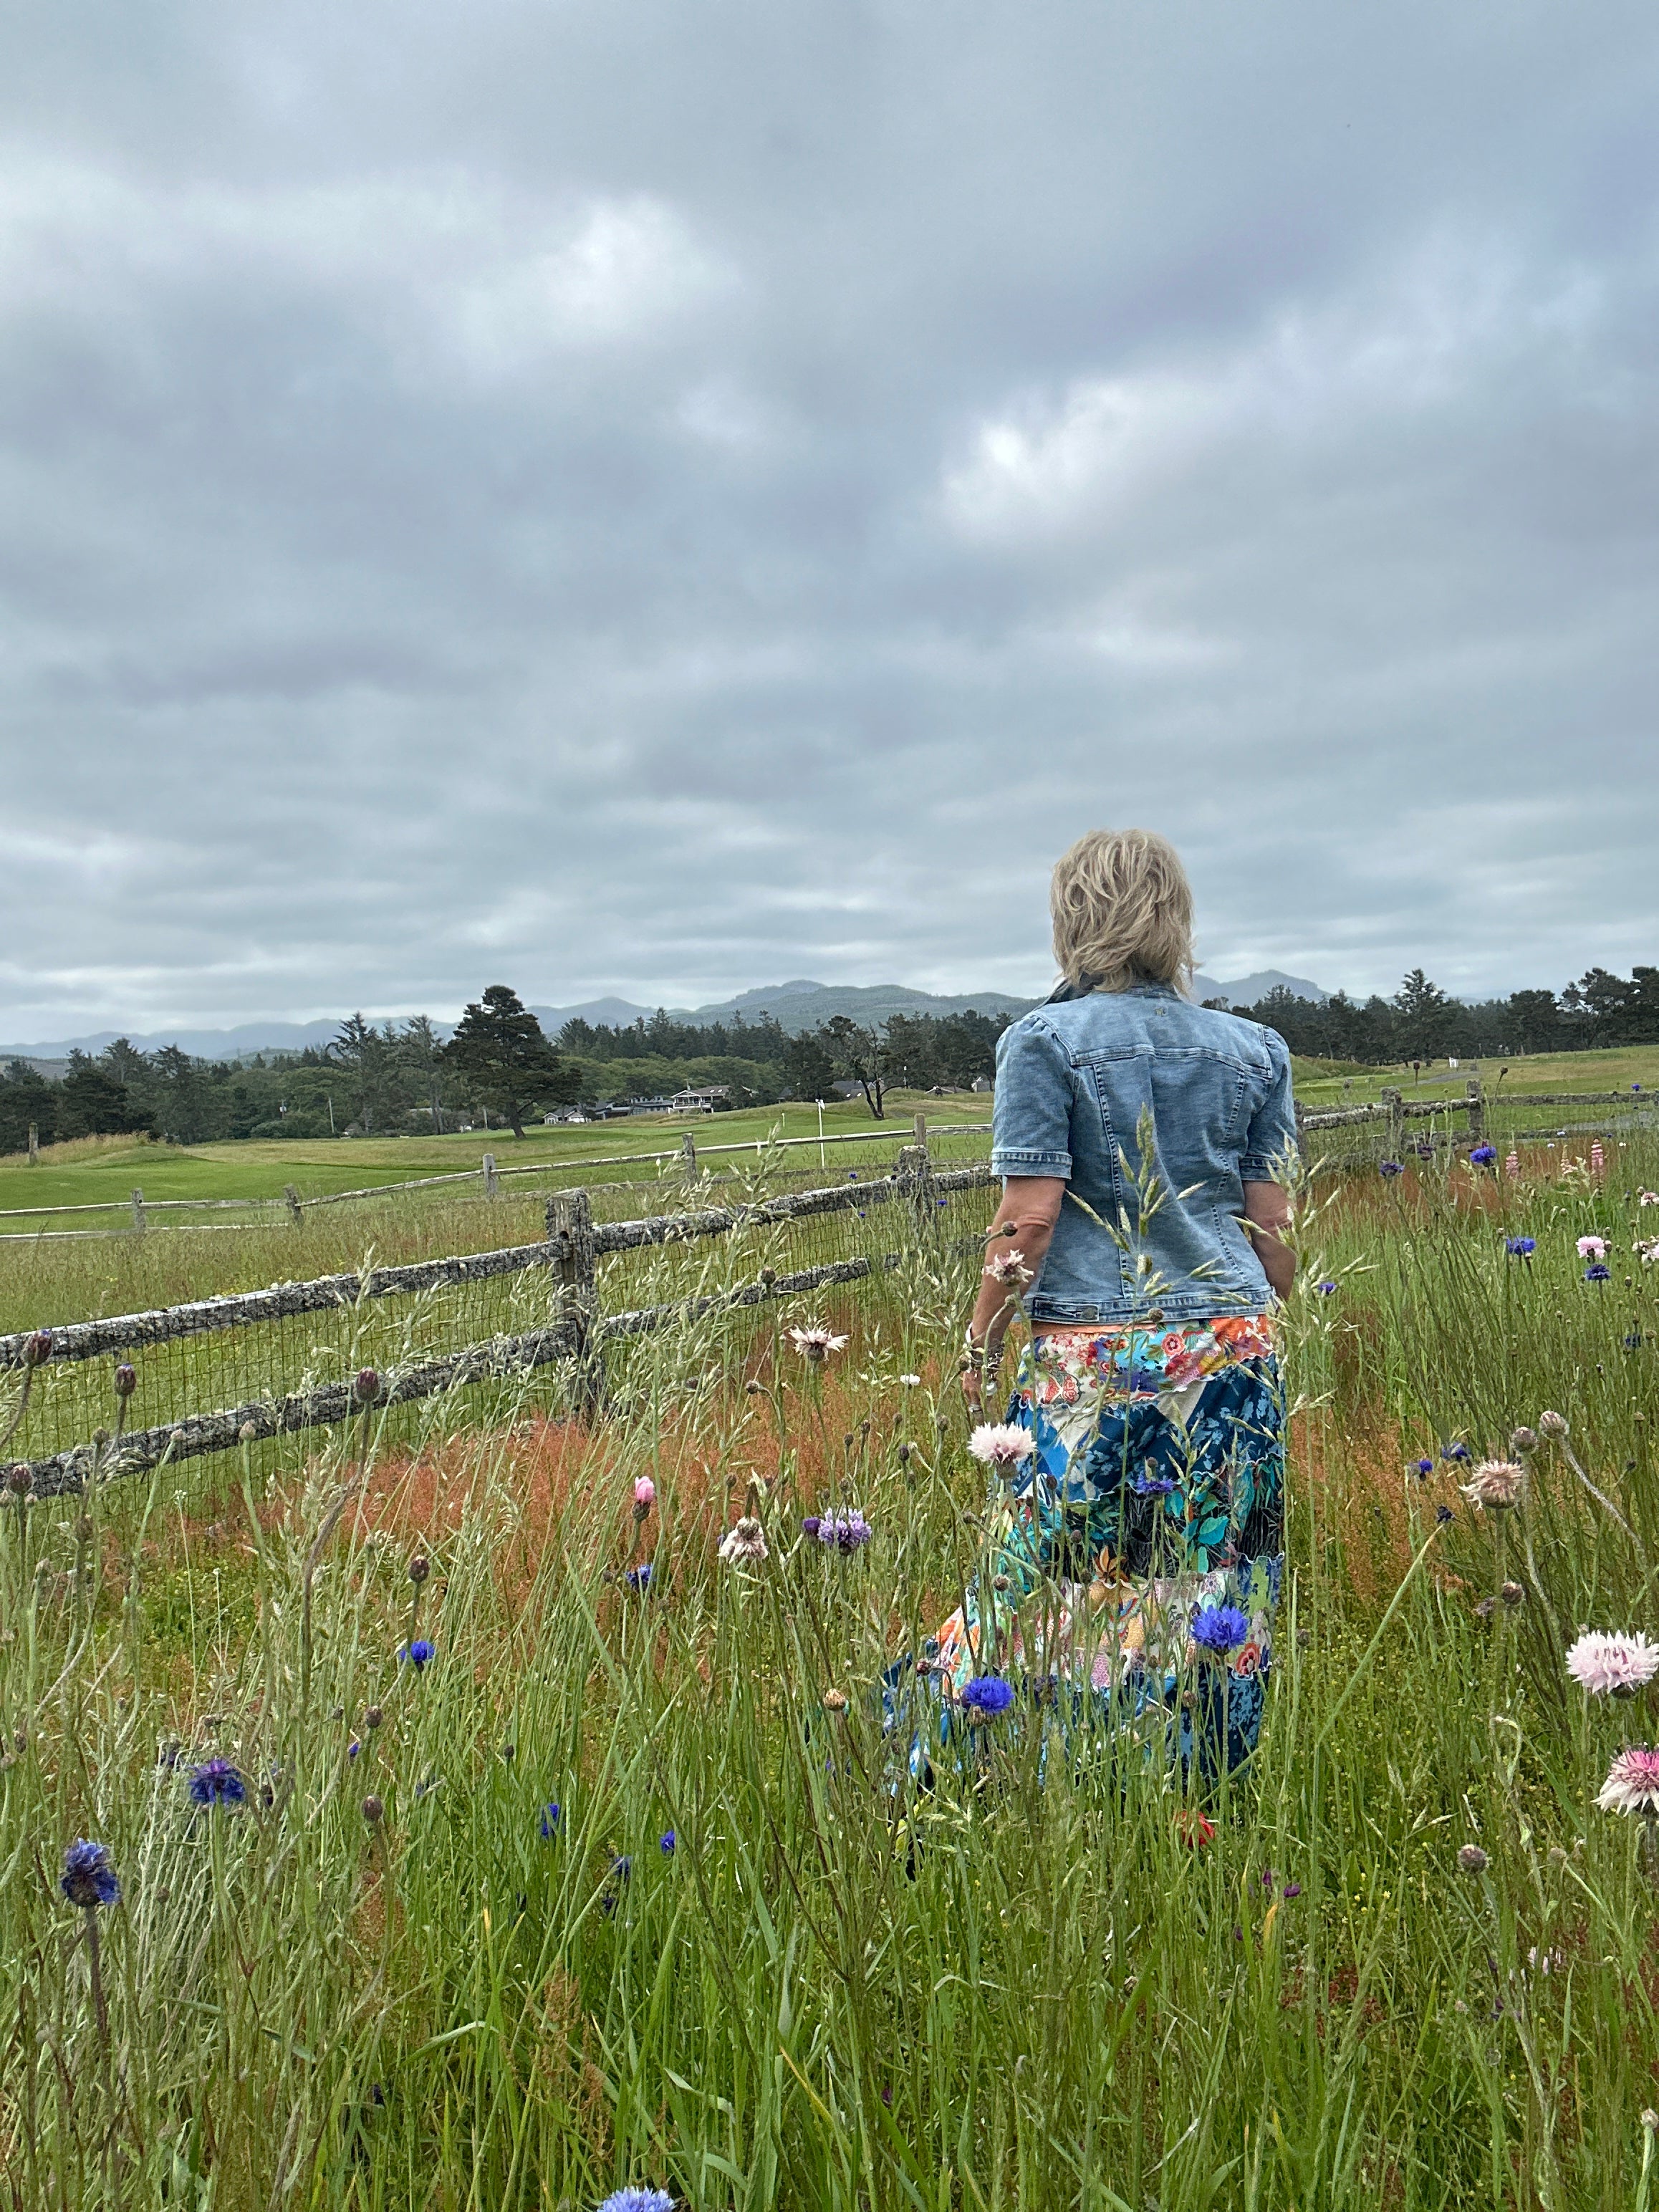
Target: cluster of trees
498, 1068
1422, 1022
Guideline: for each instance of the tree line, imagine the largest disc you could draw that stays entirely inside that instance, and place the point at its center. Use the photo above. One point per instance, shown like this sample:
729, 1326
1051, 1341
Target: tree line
497, 1070
1422, 1021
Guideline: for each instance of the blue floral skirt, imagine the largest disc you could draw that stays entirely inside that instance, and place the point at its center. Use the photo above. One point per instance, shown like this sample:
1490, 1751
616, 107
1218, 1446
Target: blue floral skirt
1147, 1505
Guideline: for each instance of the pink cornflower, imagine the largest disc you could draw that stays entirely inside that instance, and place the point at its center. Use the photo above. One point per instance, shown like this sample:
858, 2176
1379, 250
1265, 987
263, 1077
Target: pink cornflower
1632, 1783
1612, 1665
1495, 1485
816, 1343
1649, 1250
1592, 1247
1598, 1157
1512, 1167
1000, 1444
1648, 1198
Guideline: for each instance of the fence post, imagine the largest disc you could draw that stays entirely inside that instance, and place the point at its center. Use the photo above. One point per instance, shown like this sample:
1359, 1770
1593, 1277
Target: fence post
291, 1194
914, 1176
492, 1188
137, 1208
34, 1146
570, 1227
922, 1130
1395, 1101
1301, 1112
1477, 1108
689, 1151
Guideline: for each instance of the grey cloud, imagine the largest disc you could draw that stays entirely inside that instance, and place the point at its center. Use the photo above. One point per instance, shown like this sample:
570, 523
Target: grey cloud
633, 501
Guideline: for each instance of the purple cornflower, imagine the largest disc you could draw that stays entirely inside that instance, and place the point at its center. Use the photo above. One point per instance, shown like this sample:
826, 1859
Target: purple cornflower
1325, 1290
844, 1532
666, 1842
1454, 1451
1219, 1628
1292, 1889
417, 1653
1152, 1485
810, 1525
1598, 1274
1483, 1155
1520, 1248
988, 1694
1425, 1470
1388, 1169
550, 1822
638, 2200
215, 1782
639, 1579
1443, 1514
88, 1878
622, 1868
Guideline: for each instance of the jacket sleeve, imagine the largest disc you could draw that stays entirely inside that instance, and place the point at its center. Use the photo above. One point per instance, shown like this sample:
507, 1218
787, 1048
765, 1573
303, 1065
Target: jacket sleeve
1270, 1144
1031, 1117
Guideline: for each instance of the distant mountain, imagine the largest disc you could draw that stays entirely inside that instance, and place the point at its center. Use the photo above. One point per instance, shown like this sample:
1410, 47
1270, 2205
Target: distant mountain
799, 1006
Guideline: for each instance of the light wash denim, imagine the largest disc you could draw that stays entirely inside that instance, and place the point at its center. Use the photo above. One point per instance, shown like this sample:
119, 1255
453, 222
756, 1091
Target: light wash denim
1074, 1081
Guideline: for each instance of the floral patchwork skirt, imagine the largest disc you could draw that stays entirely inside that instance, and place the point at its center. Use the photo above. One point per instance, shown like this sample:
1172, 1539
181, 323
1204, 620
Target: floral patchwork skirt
1149, 1504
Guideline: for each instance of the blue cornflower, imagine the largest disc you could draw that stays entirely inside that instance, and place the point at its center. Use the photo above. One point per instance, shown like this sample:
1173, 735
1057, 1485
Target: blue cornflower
623, 1868
550, 1823
941, 1201
88, 1878
417, 1653
1152, 1485
1636, 1086
1389, 1167
638, 2200
988, 1694
215, 1782
1598, 1274
810, 1525
639, 1579
1454, 1451
1520, 1248
1325, 1289
1633, 1342
353, 1748
1443, 1513
1219, 1628
851, 1175
1483, 1155
1426, 1468
666, 1843
844, 1532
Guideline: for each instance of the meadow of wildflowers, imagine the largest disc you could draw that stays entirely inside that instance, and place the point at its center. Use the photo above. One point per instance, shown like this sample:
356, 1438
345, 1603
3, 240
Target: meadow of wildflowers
503, 1818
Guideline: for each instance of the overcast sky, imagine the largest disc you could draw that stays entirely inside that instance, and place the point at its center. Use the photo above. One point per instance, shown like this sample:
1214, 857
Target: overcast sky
664, 498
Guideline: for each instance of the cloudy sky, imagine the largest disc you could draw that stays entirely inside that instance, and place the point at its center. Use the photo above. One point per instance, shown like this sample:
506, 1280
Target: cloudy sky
660, 498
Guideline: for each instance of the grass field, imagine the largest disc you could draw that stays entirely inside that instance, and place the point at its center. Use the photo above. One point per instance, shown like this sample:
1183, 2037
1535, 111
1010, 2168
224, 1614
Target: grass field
746, 1960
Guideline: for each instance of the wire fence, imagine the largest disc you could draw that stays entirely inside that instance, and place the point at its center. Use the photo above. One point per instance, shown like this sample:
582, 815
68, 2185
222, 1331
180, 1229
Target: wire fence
1401, 1127
243, 1368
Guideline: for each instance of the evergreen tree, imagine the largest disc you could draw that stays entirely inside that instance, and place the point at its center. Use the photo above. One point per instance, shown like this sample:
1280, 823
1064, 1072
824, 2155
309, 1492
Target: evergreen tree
508, 1065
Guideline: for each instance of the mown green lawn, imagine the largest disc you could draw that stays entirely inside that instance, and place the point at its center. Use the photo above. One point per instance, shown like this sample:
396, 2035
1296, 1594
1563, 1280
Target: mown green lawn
1618, 1069
107, 1170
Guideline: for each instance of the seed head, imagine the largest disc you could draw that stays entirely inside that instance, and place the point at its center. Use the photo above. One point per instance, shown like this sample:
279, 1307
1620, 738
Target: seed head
834, 1701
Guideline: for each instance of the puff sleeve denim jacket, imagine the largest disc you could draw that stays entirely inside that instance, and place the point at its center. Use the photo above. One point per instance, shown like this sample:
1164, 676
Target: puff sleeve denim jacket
1074, 1081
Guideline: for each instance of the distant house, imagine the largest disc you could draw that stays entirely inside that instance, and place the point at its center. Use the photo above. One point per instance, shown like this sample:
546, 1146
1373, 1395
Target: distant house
712, 1098
980, 1082
644, 1106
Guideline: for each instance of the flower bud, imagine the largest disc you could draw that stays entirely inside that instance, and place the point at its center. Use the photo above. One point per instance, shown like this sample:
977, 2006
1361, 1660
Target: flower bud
84, 1531
373, 1811
37, 1349
1472, 1859
1512, 1593
834, 1701
367, 1387
419, 1568
126, 1379
373, 1717
247, 1433
18, 1477
1524, 1441
1552, 1425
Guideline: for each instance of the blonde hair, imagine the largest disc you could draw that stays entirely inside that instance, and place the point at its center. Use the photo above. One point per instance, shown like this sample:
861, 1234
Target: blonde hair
1123, 912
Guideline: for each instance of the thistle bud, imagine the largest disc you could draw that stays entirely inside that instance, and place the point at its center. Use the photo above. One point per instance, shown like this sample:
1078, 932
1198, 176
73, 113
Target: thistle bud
419, 1568
373, 1811
126, 1379
37, 1349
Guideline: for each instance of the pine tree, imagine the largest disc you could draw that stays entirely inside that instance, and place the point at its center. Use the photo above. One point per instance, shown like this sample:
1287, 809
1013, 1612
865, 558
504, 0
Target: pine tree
509, 1066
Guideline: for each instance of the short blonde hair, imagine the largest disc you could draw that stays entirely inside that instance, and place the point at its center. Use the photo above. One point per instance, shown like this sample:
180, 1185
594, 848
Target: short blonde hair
1123, 912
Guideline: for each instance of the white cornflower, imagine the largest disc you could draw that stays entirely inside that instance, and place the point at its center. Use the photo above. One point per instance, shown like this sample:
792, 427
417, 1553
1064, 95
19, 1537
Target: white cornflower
911, 1382
745, 1540
815, 1342
1000, 1444
1007, 1267
1612, 1665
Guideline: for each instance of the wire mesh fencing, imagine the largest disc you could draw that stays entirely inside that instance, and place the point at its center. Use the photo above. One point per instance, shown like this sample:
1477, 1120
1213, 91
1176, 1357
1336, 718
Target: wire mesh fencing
119, 1393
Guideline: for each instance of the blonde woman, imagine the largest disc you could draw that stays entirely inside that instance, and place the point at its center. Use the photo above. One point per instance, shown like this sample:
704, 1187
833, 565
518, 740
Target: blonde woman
1145, 1144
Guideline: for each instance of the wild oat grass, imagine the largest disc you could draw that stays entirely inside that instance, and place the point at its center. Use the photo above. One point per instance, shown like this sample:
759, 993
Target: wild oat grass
1034, 1984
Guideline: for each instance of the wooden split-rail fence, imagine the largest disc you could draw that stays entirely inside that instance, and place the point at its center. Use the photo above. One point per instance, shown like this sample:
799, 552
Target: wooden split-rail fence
575, 1332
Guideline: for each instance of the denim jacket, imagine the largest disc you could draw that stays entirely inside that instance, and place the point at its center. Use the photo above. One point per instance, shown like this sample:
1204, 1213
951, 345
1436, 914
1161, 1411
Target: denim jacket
1075, 1080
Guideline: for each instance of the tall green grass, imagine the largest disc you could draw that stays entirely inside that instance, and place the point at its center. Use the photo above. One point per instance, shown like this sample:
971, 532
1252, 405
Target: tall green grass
1023, 1986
